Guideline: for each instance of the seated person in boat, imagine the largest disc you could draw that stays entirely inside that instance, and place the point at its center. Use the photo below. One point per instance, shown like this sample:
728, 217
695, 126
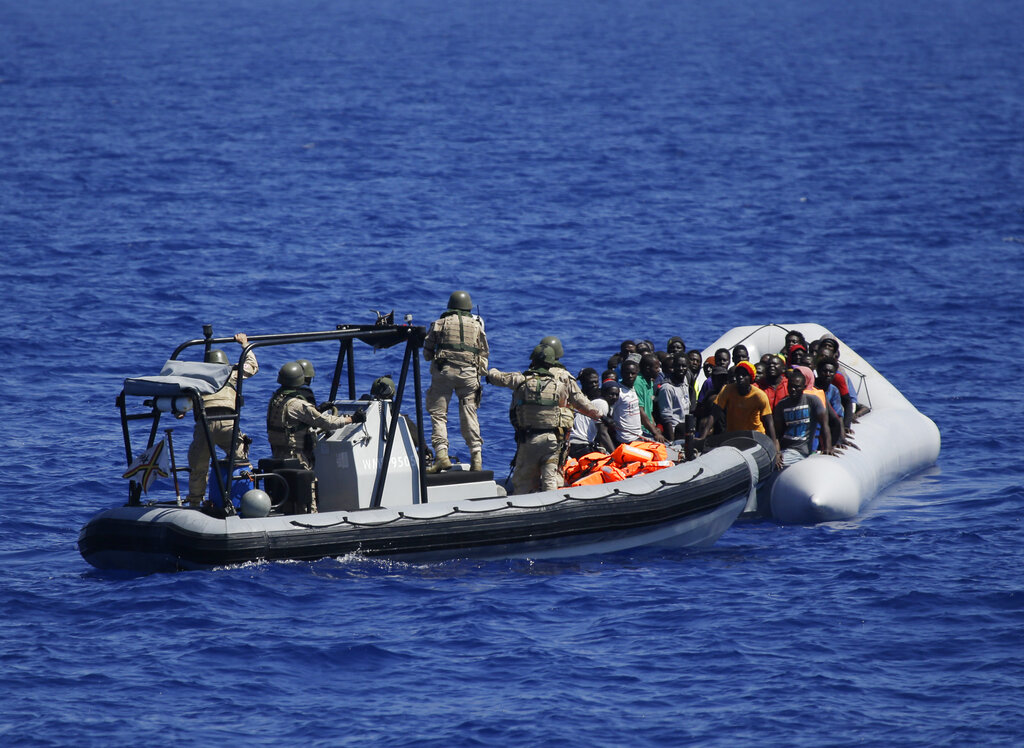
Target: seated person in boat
774, 384
705, 408
674, 399
720, 360
797, 356
799, 420
693, 367
587, 434
540, 401
646, 386
629, 418
746, 407
826, 372
828, 349
835, 423
793, 337
740, 353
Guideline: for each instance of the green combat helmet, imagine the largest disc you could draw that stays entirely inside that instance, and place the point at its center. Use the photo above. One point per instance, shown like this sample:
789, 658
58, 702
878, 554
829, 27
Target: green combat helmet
383, 388
216, 356
291, 375
460, 300
307, 369
543, 355
555, 344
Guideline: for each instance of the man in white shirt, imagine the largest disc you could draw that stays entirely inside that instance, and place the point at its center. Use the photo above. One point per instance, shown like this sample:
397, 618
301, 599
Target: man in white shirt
588, 435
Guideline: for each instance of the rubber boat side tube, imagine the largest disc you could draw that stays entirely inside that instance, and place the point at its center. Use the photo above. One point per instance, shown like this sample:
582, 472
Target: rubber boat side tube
689, 505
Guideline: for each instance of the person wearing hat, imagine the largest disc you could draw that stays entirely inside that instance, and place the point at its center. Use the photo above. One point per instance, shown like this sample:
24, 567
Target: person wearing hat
291, 417
220, 411
675, 346
456, 347
796, 355
538, 400
746, 407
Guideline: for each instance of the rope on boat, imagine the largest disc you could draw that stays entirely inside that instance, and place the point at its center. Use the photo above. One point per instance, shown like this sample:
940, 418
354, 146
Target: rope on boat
508, 505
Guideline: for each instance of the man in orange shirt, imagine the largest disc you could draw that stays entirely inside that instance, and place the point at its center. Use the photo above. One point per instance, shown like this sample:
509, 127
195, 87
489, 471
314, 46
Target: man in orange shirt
746, 407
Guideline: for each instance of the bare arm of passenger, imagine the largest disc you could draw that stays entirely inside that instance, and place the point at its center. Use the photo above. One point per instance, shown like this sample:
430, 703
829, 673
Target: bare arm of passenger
825, 439
650, 426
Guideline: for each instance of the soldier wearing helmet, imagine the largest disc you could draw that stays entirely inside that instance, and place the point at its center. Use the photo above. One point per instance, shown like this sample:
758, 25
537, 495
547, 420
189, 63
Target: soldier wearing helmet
539, 401
456, 346
291, 417
221, 403
308, 373
559, 371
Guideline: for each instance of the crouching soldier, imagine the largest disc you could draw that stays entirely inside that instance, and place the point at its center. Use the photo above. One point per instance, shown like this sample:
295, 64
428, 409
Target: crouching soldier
542, 405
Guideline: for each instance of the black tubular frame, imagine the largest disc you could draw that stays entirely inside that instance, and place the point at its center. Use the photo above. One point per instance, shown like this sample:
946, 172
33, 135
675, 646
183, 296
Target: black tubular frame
377, 336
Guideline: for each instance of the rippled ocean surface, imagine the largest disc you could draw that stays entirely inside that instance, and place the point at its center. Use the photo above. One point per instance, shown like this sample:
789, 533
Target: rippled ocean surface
593, 170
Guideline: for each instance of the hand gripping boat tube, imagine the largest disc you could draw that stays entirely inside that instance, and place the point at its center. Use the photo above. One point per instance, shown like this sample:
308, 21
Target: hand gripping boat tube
895, 439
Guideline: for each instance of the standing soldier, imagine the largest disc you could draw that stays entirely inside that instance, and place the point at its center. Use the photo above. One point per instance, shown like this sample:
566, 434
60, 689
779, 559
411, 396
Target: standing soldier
220, 403
291, 415
456, 346
539, 403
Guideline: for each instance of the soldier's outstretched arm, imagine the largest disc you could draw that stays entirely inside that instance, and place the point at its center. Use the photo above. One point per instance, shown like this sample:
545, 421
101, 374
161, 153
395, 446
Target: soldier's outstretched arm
510, 379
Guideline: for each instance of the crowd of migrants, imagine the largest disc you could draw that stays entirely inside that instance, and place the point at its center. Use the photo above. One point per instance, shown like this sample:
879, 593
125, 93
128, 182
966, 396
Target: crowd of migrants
797, 397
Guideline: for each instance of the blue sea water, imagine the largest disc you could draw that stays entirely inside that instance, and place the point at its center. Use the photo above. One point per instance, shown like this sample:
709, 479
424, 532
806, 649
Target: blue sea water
594, 170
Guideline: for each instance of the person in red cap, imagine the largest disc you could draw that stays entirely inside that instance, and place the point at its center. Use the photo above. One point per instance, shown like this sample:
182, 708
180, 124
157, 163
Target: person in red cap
796, 355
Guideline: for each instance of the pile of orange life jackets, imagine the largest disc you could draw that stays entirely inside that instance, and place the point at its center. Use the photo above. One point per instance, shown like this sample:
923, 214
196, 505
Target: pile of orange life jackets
626, 461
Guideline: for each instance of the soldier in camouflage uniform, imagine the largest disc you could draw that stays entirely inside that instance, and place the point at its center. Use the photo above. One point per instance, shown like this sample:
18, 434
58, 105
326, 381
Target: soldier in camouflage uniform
291, 415
220, 403
542, 413
456, 346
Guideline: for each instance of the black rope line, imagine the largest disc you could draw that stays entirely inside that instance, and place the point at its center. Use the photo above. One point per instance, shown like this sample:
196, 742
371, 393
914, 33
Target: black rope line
508, 505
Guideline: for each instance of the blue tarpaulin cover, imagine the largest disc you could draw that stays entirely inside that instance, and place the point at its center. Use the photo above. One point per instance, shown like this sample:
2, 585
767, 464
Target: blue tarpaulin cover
180, 378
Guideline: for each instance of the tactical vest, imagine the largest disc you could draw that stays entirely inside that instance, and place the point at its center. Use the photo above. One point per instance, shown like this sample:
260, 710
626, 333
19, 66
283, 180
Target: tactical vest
279, 432
458, 336
224, 397
536, 402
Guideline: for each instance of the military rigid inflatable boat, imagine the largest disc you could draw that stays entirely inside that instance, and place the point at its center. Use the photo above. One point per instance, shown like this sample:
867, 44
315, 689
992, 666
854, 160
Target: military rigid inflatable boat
372, 490
894, 439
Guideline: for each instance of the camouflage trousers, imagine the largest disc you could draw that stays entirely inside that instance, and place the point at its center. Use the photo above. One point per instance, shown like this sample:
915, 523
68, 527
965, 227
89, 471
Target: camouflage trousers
464, 382
199, 456
537, 466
